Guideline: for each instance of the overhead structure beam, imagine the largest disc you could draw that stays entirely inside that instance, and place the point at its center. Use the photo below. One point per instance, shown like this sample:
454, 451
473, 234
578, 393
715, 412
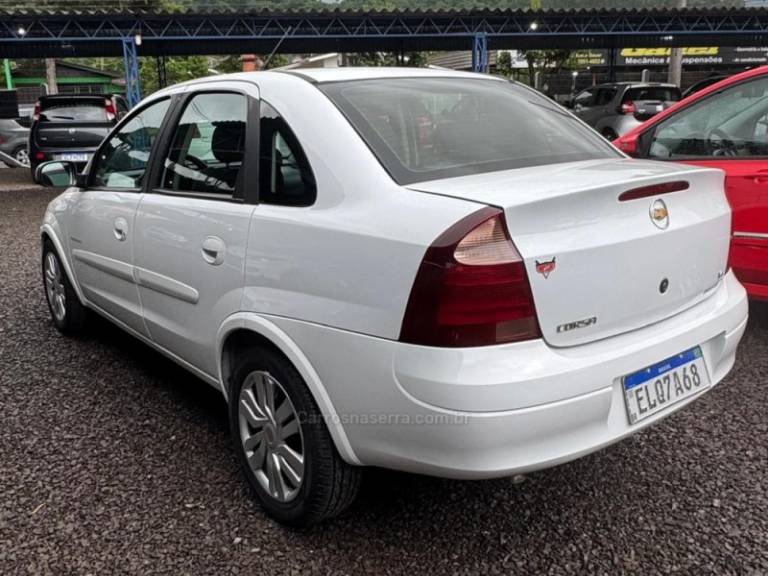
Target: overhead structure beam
93, 34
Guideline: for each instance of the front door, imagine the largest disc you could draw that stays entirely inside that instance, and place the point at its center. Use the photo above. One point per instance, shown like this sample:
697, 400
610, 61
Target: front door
192, 229
729, 130
101, 229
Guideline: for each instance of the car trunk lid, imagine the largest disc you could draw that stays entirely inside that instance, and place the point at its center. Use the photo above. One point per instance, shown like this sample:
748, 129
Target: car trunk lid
600, 266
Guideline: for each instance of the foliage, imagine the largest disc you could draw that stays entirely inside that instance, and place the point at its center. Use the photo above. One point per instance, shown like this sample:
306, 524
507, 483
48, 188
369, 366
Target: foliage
504, 64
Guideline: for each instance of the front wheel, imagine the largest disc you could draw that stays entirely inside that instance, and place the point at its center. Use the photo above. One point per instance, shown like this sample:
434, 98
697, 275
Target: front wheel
67, 312
283, 444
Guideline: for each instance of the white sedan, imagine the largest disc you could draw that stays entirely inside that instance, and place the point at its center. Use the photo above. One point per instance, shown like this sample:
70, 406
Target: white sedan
436, 272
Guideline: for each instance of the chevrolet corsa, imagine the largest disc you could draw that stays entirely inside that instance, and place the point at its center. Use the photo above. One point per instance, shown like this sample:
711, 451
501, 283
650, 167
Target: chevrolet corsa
429, 271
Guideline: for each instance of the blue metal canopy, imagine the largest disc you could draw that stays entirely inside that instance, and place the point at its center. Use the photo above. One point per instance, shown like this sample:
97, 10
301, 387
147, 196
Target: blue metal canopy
45, 34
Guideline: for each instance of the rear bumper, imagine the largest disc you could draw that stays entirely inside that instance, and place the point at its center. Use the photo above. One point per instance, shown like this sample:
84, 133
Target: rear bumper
502, 410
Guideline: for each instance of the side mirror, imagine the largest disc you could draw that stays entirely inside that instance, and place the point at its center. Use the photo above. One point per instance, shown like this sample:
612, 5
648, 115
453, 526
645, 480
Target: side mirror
57, 174
628, 145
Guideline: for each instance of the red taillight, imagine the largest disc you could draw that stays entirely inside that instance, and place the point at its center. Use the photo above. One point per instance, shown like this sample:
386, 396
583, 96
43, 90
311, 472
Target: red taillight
109, 106
36, 112
39, 156
628, 108
471, 288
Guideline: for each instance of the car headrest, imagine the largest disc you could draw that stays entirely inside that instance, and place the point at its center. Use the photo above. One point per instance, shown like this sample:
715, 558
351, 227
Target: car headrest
228, 141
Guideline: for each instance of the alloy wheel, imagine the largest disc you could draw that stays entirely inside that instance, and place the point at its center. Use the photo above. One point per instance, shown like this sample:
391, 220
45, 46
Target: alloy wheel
22, 156
54, 287
271, 436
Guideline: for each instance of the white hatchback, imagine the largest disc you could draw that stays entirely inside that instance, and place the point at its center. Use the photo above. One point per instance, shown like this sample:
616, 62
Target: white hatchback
435, 272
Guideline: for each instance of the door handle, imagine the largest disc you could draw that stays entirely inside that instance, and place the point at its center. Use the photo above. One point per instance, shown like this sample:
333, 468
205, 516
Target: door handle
213, 250
121, 229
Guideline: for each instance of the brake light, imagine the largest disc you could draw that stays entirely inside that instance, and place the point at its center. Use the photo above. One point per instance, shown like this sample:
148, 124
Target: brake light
36, 112
39, 156
654, 190
628, 108
471, 288
109, 106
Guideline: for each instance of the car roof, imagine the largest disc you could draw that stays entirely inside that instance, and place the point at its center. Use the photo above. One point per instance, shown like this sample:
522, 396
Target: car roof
49, 97
639, 84
342, 74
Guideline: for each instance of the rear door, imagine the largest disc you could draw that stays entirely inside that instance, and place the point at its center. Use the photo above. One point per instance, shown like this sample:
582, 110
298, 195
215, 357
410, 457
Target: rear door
101, 226
729, 130
192, 228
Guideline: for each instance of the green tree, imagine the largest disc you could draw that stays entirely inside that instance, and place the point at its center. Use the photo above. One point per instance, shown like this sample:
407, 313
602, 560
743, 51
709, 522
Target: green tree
504, 64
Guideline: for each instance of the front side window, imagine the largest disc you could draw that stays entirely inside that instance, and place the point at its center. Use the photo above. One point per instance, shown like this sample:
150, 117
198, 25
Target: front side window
207, 146
585, 98
285, 176
429, 128
731, 123
122, 162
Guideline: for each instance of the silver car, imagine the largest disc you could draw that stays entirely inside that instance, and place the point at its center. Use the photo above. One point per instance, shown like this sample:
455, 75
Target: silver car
614, 109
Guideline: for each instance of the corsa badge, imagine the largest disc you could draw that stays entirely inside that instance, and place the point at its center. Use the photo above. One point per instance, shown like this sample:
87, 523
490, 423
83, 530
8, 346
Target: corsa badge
546, 267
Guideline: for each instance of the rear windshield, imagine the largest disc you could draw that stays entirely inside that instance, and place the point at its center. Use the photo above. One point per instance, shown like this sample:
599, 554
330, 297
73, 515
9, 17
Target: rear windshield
661, 93
429, 128
73, 111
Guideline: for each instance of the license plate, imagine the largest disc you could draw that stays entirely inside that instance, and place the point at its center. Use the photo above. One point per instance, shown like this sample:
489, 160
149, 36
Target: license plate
657, 387
73, 156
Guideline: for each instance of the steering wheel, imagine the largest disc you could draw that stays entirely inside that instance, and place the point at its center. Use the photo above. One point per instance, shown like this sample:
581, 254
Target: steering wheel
195, 163
722, 145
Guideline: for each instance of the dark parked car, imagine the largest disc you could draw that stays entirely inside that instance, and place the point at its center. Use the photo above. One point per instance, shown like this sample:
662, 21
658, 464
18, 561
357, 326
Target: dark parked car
705, 83
13, 139
71, 127
615, 109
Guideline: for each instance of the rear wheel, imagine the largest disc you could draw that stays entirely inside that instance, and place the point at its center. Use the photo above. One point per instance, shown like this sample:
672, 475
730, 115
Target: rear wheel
21, 155
609, 134
283, 444
68, 314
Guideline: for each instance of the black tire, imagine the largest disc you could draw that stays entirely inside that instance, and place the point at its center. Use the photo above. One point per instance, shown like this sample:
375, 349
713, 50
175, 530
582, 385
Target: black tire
75, 315
329, 484
609, 134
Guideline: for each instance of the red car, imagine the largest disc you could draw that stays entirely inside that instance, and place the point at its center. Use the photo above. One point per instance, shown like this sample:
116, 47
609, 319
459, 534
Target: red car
722, 126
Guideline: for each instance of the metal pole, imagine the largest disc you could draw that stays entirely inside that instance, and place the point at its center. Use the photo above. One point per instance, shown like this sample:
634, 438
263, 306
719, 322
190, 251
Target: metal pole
132, 78
480, 53
8, 76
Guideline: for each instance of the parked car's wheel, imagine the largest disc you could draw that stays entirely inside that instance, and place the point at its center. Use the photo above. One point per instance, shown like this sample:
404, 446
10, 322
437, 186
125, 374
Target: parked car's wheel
283, 444
67, 312
21, 155
609, 134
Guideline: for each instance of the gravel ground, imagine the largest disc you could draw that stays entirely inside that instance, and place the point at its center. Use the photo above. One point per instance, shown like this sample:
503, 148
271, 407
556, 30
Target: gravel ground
115, 461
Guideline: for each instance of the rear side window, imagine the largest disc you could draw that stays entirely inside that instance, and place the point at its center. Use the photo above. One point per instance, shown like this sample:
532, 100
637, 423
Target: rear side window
285, 176
660, 93
429, 128
605, 96
74, 111
208, 145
